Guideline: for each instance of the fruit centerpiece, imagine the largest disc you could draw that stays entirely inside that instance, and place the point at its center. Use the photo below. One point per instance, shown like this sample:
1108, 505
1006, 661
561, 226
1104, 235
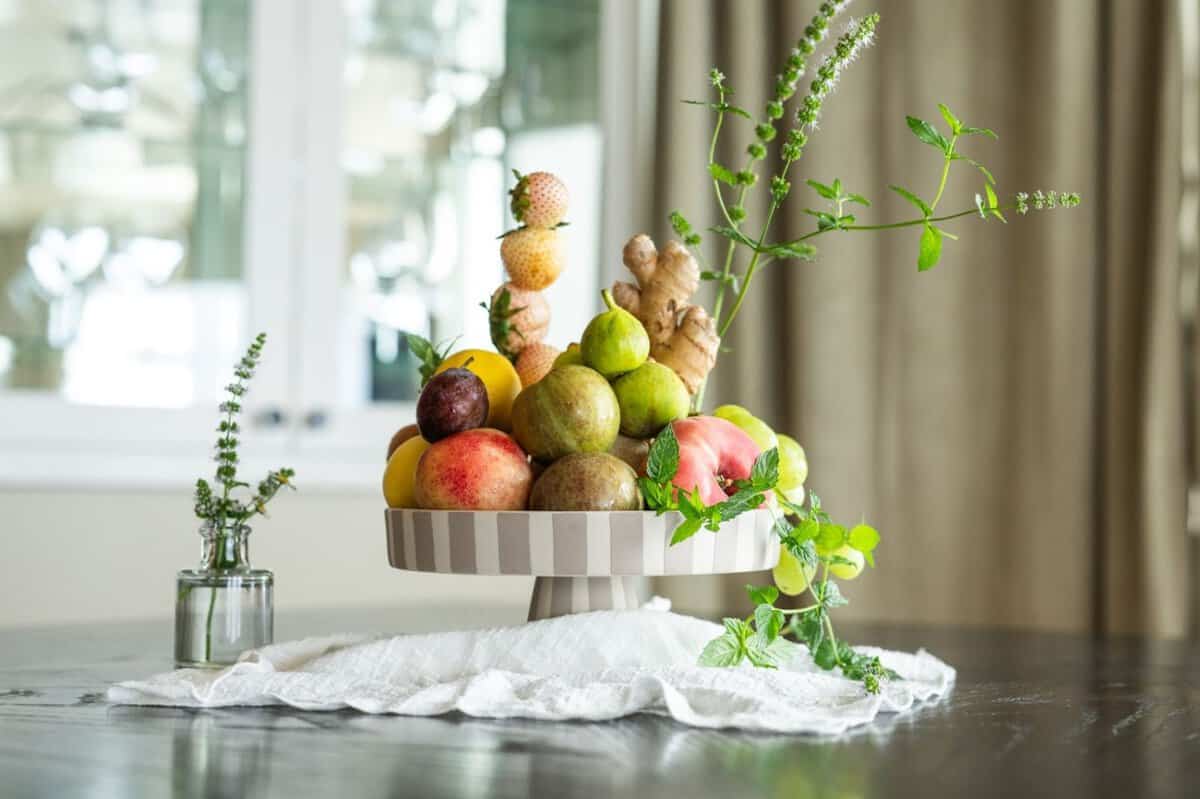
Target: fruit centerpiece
593, 464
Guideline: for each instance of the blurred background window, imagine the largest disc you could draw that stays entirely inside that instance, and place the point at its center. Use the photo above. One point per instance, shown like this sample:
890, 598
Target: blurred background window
176, 174
122, 133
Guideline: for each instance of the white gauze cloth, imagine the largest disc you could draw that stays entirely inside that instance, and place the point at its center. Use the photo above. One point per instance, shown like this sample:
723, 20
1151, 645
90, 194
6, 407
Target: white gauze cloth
587, 666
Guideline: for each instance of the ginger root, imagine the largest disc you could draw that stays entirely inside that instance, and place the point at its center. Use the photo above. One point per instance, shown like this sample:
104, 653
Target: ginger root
682, 336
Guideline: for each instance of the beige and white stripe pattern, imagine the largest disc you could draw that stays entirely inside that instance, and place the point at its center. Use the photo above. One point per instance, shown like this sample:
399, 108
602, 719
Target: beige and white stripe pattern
595, 544
583, 561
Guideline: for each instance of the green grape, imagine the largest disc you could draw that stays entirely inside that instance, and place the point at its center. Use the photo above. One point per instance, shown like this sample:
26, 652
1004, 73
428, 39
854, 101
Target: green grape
793, 469
792, 576
847, 571
752, 426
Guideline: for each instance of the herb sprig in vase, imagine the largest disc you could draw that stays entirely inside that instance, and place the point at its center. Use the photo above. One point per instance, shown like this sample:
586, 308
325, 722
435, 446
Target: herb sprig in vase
225, 606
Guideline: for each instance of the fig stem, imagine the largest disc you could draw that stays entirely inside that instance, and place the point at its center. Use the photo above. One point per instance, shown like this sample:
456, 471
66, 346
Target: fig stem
608, 299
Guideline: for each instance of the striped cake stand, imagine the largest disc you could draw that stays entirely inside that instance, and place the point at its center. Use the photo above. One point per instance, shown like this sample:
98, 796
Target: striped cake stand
582, 561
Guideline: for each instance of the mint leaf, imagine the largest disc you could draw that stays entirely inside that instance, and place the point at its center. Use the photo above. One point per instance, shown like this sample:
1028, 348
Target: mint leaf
722, 651
820, 188
951, 120
831, 536
993, 202
663, 460
790, 249
931, 248
825, 655
768, 621
864, 538
722, 107
928, 133
762, 594
984, 170
979, 132
723, 174
803, 551
831, 595
764, 474
807, 530
686, 529
914, 199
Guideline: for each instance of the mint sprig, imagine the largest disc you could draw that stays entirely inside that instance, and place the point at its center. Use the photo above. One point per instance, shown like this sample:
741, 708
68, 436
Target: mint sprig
760, 638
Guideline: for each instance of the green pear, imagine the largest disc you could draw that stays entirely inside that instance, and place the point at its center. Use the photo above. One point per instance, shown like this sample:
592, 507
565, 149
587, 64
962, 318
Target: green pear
614, 342
651, 397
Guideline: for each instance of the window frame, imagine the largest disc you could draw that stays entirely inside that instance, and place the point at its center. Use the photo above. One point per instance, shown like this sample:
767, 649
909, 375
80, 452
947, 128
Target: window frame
294, 228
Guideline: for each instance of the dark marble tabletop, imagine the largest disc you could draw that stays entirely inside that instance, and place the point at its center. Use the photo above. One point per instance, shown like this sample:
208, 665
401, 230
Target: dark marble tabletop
1031, 715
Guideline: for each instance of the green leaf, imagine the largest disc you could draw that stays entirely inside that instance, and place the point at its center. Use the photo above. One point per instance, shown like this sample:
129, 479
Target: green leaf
931, 248
831, 537
927, 133
858, 198
429, 356
735, 235
864, 538
790, 249
993, 202
782, 528
831, 595
686, 529
808, 530
721, 107
979, 132
764, 474
951, 120
768, 621
987, 175
722, 174
825, 654
803, 551
744, 500
762, 594
662, 462
811, 627
820, 188
914, 199
722, 651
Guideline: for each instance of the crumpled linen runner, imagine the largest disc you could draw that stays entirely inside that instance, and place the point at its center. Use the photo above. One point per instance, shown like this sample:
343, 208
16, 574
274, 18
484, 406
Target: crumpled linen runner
589, 666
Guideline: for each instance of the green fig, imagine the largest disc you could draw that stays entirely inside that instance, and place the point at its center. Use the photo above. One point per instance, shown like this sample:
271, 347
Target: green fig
569, 357
651, 397
614, 342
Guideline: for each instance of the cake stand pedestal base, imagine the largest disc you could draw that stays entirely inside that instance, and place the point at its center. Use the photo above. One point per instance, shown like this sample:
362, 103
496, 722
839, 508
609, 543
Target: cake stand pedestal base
560, 596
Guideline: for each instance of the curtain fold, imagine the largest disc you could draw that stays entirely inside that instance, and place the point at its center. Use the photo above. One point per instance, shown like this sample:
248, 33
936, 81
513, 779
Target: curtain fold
1012, 421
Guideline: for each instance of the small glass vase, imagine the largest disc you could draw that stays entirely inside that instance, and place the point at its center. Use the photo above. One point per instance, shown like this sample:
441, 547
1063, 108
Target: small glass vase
224, 607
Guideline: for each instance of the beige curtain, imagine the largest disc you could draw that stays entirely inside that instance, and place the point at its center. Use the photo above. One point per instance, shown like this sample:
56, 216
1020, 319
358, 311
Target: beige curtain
1012, 421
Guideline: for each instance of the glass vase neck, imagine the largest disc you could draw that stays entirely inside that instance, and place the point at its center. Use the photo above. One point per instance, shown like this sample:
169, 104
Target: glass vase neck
225, 549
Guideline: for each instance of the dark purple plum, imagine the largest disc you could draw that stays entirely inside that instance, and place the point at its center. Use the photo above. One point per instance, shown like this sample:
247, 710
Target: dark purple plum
451, 402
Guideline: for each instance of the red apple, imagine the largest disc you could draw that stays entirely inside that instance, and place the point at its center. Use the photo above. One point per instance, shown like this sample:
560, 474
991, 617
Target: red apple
712, 454
479, 469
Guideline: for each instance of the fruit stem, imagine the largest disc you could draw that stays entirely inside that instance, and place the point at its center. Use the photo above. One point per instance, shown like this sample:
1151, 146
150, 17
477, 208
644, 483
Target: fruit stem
608, 299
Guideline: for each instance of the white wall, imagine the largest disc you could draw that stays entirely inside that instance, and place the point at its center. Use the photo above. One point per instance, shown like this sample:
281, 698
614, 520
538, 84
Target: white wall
71, 555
